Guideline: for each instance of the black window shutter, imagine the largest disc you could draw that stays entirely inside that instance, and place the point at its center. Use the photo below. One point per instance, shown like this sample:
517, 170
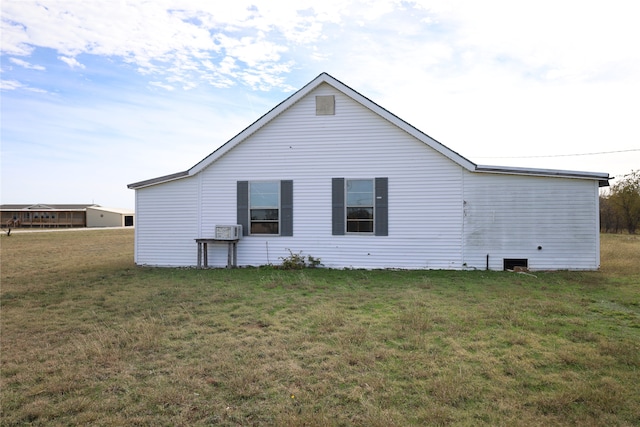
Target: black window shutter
243, 206
286, 208
337, 206
382, 207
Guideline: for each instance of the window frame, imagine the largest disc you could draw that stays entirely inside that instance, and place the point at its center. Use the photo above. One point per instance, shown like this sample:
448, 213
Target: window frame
286, 207
277, 184
371, 206
339, 211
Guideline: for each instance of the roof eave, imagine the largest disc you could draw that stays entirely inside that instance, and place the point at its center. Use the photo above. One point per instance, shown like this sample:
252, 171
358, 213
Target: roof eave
602, 177
158, 180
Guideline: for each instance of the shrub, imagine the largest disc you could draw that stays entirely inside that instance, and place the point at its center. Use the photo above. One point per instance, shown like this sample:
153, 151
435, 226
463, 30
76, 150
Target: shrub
297, 261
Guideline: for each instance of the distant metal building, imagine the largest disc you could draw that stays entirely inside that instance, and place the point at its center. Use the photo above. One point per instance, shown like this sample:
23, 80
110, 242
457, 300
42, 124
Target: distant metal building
63, 215
97, 216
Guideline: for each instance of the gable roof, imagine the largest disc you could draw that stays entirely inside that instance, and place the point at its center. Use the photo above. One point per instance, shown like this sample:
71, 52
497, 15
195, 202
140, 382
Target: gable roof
426, 139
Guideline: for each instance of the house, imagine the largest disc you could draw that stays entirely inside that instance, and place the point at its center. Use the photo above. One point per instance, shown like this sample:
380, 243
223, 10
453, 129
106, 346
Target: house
64, 215
332, 174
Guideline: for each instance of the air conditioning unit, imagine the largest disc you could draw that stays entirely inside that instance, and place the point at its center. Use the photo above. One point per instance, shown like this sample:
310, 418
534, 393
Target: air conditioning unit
228, 232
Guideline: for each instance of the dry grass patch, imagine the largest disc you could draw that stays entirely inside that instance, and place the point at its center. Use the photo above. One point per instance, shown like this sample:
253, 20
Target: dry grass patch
88, 338
619, 254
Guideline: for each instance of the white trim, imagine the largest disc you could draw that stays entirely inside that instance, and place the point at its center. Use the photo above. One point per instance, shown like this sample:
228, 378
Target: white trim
511, 170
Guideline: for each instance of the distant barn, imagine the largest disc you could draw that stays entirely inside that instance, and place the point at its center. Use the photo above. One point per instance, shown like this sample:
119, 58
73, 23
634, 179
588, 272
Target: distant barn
66, 215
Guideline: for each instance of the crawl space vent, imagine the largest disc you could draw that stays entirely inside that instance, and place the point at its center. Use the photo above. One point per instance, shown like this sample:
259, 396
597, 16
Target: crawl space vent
512, 263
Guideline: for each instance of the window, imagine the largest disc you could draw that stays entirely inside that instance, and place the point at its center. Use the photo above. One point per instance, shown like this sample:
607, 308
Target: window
265, 207
360, 206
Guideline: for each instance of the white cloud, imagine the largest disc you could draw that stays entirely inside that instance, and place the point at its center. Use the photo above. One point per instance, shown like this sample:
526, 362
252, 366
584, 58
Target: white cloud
26, 64
71, 62
162, 85
13, 41
14, 84
551, 40
163, 37
10, 84
580, 38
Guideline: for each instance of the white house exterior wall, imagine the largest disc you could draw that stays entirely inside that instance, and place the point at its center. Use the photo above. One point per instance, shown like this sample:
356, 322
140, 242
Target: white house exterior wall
167, 223
444, 212
507, 216
425, 194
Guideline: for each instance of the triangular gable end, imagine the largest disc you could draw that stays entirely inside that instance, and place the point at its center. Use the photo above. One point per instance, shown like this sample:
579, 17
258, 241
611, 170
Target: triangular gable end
366, 102
291, 100
338, 85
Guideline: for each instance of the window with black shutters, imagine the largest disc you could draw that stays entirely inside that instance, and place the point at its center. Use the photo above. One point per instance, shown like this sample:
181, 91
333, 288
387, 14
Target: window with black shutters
360, 206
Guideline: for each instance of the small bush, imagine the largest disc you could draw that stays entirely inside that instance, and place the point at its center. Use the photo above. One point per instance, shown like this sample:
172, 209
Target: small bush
297, 261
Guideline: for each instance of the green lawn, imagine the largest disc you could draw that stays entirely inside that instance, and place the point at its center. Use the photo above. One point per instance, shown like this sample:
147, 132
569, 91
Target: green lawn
89, 338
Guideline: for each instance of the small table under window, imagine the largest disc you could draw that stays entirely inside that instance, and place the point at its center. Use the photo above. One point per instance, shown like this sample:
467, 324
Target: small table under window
203, 252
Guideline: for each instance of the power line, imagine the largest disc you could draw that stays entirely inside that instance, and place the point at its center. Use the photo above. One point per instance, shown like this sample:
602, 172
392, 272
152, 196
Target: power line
556, 155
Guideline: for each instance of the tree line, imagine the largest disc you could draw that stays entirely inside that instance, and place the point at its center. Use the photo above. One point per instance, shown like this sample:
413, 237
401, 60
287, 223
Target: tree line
620, 205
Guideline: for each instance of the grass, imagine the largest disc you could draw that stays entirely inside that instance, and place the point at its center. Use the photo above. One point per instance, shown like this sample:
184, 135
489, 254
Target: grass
89, 338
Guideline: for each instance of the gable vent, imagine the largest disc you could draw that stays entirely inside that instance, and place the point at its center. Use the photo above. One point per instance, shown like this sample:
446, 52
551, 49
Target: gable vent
325, 105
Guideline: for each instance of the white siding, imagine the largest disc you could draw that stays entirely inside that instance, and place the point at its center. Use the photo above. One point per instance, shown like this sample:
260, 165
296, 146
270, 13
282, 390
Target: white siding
508, 216
425, 191
441, 216
167, 223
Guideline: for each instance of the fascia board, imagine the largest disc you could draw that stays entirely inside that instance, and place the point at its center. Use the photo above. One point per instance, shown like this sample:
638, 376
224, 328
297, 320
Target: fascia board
558, 173
158, 180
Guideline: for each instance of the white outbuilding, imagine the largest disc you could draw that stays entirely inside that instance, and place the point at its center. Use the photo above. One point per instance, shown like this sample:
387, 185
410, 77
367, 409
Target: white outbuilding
331, 174
98, 216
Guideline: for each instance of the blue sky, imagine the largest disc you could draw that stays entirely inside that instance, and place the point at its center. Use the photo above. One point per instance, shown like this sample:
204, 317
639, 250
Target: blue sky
99, 94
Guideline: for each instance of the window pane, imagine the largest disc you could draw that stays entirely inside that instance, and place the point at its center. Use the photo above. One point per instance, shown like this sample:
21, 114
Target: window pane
264, 200
264, 228
360, 185
359, 213
359, 199
265, 193
264, 214
359, 192
359, 226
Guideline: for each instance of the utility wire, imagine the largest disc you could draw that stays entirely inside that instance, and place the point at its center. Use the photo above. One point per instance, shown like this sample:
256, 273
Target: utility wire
556, 155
